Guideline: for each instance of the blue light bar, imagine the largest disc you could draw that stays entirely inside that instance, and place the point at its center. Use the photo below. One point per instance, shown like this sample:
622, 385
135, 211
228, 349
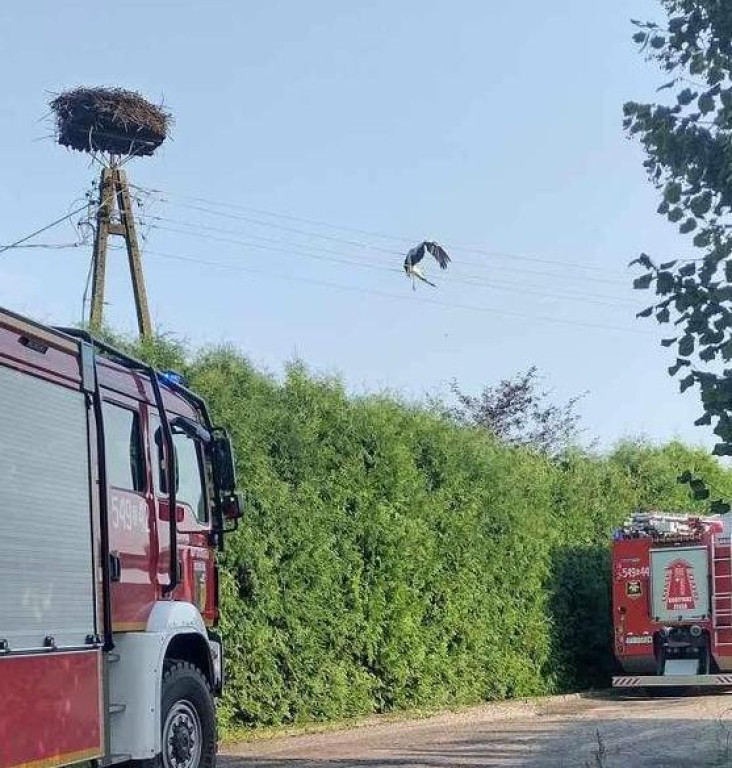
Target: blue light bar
171, 377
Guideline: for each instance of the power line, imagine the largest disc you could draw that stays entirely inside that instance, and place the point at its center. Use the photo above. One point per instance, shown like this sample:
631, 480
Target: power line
47, 246
384, 294
503, 268
370, 233
478, 281
209, 228
22, 240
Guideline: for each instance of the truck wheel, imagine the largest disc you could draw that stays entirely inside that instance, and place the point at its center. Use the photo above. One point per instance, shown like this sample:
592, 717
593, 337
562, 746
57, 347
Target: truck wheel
188, 718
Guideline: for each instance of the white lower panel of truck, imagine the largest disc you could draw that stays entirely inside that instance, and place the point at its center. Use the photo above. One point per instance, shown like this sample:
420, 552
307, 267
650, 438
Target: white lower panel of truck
672, 681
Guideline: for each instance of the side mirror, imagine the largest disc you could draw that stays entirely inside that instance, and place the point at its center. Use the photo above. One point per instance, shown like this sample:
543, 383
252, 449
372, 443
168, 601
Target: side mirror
223, 463
231, 508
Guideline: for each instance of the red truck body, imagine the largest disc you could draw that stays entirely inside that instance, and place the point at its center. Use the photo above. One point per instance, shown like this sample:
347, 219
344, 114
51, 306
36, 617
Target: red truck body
672, 601
107, 605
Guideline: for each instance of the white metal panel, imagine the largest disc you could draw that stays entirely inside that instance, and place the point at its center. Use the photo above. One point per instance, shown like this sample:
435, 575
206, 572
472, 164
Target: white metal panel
680, 583
46, 566
135, 681
680, 667
134, 685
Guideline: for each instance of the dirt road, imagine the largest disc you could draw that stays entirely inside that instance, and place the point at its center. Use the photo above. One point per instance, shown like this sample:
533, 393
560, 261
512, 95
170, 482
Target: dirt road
606, 732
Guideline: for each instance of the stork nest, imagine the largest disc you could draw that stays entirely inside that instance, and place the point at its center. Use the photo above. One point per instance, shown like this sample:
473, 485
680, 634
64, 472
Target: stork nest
109, 120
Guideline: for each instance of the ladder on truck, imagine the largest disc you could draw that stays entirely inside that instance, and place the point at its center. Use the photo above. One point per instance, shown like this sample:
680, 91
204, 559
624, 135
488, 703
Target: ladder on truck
722, 595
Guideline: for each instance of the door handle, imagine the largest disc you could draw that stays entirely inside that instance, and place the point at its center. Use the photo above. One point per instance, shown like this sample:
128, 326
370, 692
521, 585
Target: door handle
115, 567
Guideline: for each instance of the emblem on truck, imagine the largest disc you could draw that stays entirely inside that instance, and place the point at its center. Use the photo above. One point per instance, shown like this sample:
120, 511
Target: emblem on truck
680, 592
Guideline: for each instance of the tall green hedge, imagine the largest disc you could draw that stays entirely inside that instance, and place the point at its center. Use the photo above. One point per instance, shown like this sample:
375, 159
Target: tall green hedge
389, 558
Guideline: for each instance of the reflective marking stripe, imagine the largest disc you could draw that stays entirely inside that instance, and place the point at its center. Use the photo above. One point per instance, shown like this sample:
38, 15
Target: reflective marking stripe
658, 681
62, 759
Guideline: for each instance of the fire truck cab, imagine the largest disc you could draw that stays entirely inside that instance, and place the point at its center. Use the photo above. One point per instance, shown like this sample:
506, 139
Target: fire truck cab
115, 493
672, 601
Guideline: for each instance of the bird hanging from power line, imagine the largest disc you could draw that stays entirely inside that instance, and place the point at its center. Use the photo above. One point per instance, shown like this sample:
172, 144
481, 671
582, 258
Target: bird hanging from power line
416, 254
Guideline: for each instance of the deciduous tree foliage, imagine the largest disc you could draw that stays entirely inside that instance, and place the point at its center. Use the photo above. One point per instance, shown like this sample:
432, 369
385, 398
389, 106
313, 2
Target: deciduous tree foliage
390, 558
687, 138
518, 412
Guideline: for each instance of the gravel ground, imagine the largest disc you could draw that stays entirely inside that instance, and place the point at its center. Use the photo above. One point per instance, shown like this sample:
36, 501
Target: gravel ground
599, 732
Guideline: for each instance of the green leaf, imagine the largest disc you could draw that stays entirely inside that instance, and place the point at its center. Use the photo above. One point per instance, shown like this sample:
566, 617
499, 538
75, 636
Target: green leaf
697, 64
700, 204
667, 265
719, 507
664, 282
668, 342
728, 271
639, 37
704, 420
702, 239
677, 366
686, 345
701, 494
708, 354
644, 260
686, 97
722, 449
663, 316
643, 281
726, 97
672, 192
647, 312
706, 103
685, 476
688, 226
675, 214
686, 382
688, 269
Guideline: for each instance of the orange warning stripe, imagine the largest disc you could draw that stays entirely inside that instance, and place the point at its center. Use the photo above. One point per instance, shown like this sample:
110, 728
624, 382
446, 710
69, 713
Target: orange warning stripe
66, 758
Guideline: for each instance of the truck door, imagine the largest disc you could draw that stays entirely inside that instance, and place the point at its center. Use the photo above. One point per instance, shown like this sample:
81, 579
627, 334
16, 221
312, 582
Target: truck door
131, 536
193, 495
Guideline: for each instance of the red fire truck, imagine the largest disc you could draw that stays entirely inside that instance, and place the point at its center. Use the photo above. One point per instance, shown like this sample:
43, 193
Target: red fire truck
672, 601
115, 493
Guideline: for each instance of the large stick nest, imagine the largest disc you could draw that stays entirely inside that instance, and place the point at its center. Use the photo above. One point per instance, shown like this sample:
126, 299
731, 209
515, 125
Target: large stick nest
109, 120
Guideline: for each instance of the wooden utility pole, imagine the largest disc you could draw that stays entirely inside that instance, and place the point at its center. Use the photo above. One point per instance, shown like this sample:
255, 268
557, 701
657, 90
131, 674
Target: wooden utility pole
114, 196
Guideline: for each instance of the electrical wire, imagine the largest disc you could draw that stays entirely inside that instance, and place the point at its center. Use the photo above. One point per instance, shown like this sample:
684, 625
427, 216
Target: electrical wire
55, 223
385, 294
48, 246
370, 233
509, 268
337, 258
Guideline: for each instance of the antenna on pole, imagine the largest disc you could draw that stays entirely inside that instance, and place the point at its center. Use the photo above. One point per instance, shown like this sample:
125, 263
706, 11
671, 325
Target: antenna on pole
109, 124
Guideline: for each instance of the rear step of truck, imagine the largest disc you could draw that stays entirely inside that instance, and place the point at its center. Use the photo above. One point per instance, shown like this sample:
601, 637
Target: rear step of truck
672, 681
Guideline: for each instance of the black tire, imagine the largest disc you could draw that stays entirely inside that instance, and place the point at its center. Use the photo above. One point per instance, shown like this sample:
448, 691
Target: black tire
187, 718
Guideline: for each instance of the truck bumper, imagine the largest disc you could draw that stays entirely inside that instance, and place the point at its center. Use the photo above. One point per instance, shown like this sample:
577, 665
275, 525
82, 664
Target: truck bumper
673, 681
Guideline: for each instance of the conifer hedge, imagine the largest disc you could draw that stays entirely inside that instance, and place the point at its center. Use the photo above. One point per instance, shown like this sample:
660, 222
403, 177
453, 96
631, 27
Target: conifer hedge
389, 558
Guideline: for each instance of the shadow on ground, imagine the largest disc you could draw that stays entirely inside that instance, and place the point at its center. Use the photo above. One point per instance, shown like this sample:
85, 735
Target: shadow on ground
554, 741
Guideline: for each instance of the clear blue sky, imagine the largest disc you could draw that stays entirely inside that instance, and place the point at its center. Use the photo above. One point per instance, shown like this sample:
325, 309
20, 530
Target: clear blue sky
492, 127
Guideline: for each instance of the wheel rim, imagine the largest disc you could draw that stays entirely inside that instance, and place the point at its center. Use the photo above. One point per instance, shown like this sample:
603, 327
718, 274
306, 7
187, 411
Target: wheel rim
182, 736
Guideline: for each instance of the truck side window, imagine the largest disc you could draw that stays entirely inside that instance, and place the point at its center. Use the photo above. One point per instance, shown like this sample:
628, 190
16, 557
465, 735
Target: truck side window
123, 448
188, 470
